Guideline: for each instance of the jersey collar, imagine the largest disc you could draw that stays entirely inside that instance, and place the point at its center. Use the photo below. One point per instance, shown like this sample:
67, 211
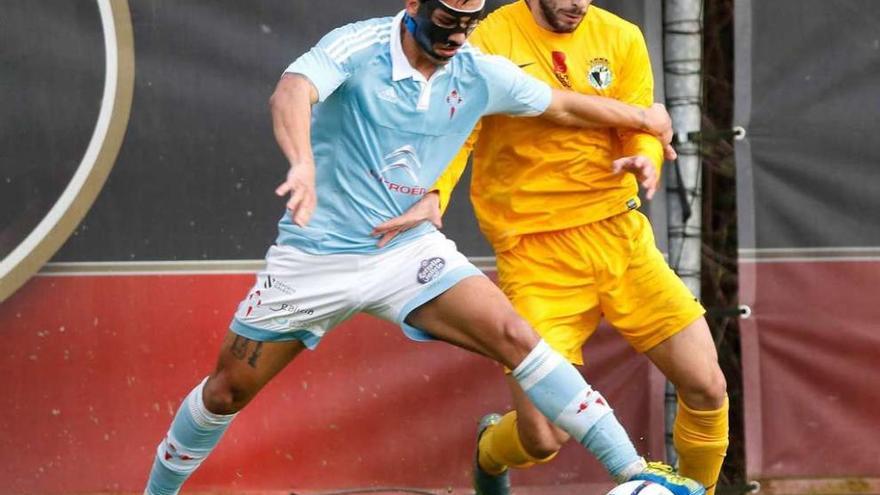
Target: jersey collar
400, 66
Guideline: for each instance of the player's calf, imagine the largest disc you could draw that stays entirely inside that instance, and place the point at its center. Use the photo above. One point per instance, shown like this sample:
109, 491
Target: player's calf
559, 391
194, 433
539, 437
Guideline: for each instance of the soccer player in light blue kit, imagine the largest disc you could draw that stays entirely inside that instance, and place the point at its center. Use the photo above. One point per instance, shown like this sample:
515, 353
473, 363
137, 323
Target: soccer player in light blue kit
398, 97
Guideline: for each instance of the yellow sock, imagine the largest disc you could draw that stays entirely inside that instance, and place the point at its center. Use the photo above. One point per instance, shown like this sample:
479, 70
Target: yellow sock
500, 447
701, 439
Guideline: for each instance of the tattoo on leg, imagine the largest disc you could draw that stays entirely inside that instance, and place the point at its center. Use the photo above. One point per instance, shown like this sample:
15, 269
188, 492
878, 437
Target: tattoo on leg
256, 355
239, 347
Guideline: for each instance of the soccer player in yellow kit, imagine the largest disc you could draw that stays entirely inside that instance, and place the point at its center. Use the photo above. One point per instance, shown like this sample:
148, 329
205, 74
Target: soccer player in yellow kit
559, 206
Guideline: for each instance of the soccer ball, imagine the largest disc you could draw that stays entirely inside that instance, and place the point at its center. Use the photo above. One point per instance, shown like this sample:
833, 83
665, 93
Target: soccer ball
640, 487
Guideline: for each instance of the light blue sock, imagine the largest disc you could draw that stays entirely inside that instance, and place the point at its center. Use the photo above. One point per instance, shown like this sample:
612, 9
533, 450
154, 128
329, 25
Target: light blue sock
193, 434
560, 392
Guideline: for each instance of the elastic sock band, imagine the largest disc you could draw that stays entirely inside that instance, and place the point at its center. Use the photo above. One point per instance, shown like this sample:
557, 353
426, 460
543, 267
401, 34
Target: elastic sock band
200, 414
539, 363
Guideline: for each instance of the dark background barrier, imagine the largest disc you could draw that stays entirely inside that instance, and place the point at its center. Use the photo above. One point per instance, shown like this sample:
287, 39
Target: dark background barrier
195, 175
808, 94
52, 56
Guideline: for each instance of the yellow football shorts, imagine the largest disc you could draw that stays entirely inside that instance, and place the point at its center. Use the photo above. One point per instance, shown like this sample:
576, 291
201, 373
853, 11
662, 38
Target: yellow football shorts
563, 282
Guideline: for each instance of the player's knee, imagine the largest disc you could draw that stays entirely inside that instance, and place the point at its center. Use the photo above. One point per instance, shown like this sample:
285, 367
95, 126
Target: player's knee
517, 334
704, 391
224, 395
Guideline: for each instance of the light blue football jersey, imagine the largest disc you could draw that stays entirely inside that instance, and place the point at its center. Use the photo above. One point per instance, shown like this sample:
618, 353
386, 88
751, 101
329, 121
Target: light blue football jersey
382, 133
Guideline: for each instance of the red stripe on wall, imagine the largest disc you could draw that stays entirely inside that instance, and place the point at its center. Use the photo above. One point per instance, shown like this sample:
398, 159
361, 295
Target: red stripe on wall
811, 349
95, 366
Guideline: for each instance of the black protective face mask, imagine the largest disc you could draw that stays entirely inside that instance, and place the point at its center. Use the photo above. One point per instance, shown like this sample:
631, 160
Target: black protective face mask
427, 33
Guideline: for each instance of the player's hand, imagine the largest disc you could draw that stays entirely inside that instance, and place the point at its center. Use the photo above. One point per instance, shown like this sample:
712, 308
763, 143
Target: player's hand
425, 209
300, 184
644, 170
658, 122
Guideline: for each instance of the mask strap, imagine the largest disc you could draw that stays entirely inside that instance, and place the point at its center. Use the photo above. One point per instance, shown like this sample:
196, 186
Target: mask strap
410, 24
476, 11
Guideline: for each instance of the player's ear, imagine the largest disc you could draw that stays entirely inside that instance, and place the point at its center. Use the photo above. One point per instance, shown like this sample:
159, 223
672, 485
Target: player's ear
412, 7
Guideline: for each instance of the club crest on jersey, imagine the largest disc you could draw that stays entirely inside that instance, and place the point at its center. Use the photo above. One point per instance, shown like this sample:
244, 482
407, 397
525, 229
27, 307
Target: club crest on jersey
453, 100
600, 75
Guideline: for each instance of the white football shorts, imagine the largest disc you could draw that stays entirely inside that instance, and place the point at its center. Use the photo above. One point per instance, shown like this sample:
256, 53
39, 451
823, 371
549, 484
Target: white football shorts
301, 296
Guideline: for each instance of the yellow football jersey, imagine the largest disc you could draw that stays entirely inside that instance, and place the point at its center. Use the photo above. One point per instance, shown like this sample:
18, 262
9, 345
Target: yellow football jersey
531, 175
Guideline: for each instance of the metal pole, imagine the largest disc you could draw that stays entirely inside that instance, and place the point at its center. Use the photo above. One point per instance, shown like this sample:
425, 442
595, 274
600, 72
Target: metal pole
683, 54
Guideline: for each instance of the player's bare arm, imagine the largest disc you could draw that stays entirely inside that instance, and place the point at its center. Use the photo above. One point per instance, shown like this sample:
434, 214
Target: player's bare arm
428, 207
291, 105
579, 110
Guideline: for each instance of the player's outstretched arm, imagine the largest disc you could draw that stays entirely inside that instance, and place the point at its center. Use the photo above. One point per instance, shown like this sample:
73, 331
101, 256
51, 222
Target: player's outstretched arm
291, 106
575, 109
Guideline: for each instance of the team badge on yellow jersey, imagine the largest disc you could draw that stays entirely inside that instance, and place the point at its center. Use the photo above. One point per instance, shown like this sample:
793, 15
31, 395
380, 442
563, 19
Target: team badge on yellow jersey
600, 75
